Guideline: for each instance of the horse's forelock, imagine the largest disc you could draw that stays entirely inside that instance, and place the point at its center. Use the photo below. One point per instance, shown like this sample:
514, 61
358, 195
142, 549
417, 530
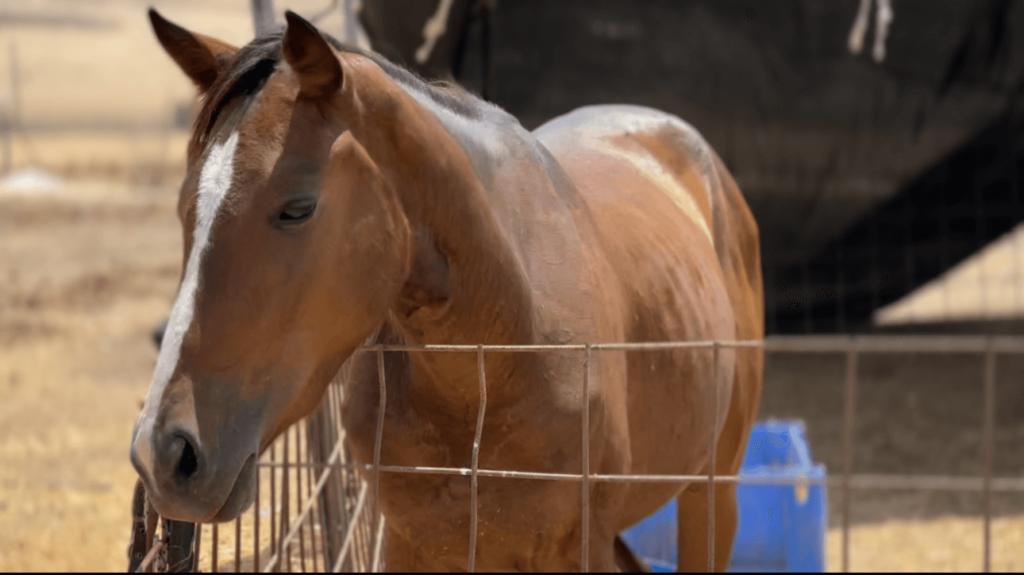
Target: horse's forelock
252, 67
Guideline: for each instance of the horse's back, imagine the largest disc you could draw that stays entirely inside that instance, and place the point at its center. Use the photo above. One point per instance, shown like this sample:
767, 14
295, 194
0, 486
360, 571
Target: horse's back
683, 242
652, 181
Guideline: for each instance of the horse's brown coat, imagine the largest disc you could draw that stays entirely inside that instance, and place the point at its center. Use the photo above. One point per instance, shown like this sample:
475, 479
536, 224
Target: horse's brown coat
427, 231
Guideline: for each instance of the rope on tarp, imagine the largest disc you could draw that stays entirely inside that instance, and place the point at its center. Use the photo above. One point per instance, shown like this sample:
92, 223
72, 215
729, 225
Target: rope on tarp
883, 18
433, 29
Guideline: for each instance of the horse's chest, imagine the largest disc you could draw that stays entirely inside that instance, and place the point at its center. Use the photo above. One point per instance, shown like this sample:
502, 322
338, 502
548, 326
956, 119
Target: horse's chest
517, 520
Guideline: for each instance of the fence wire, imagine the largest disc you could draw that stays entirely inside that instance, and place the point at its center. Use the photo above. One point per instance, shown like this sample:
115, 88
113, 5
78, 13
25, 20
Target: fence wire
321, 514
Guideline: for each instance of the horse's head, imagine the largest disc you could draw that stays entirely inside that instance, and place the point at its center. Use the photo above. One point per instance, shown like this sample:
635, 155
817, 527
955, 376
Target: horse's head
295, 247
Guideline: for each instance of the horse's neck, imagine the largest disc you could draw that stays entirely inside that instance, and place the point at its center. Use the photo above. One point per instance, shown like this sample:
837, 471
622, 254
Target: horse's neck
437, 179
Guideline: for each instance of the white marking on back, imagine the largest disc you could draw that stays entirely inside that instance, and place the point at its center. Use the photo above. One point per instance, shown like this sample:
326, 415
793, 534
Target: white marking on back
599, 122
214, 184
656, 173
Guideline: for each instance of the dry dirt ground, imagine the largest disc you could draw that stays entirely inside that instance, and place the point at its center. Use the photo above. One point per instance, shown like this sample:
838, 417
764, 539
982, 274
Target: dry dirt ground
86, 274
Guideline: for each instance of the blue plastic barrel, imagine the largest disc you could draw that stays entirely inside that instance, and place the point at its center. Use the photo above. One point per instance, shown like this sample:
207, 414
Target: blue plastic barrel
781, 527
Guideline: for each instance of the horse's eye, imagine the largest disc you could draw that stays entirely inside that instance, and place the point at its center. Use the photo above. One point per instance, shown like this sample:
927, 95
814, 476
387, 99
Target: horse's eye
296, 212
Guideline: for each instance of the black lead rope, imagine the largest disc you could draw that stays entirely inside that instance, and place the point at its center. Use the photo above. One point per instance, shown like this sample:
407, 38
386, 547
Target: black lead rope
181, 538
484, 12
139, 544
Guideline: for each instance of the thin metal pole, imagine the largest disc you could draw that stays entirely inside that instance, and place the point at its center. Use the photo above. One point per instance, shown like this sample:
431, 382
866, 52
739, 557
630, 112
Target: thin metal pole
256, 525
805, 307
298, 495
377, 555
263, 16
773, 344
353, 524
334, 509
238, 544
214, 548
308, 454
861, 482
284, 555
848, 443
585, 483
990, 399
712, 452
15, 85
474, 482
147, 561
304, 512
8, 121
197, 546
379, 439
152, 524
273, 501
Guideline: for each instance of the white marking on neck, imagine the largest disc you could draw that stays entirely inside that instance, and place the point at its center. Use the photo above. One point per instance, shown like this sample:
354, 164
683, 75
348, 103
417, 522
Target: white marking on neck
214, 184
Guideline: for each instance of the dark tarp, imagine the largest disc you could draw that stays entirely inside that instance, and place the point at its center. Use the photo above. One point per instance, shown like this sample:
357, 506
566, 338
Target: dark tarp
844, 161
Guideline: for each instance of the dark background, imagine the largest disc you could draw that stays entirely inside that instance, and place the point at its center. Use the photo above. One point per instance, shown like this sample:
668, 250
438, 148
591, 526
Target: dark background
867, 179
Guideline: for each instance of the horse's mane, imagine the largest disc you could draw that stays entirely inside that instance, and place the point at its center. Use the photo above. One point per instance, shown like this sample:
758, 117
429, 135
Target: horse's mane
255, 63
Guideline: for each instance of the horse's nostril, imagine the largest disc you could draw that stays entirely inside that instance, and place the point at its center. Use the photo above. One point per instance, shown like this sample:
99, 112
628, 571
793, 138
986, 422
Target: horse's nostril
185, 454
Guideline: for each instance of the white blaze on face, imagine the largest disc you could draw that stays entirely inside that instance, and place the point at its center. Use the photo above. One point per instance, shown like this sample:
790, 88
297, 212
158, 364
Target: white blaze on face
214, 184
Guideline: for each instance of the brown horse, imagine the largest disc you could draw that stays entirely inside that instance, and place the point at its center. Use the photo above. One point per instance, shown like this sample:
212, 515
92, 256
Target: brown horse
334, 199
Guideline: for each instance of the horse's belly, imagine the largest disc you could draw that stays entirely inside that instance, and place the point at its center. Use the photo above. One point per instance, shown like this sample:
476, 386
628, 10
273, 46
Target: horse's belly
672, 421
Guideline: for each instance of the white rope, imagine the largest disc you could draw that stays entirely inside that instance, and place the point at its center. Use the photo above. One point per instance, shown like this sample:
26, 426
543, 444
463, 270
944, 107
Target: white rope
883, 18
433, 29
860, 27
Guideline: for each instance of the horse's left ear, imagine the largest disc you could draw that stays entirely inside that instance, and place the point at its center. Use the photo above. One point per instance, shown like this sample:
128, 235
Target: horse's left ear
313, 60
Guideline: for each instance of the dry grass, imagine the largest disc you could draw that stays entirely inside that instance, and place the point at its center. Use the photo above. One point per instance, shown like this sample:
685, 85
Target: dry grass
944, 544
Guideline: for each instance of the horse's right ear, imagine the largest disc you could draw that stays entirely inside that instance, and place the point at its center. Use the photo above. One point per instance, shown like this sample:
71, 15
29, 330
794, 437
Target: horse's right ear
315, 63
201, 58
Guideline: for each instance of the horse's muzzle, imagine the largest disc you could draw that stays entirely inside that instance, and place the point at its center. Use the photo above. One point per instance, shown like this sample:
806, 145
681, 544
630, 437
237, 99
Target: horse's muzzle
184, 483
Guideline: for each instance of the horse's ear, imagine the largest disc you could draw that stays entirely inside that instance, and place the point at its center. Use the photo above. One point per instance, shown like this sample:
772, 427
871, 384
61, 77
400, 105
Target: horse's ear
201, 58
313, 60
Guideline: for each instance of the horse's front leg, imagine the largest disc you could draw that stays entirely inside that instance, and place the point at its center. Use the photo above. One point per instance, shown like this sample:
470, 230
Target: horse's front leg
602, 554
693, 527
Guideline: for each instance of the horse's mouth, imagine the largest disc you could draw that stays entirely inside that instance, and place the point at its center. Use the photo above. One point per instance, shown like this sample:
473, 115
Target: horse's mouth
242, 494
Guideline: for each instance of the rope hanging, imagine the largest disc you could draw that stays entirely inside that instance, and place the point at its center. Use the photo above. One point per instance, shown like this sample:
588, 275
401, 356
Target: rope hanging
883, 18
433, 29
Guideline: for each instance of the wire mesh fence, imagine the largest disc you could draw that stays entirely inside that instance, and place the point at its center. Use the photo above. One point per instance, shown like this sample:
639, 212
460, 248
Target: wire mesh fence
315, 511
